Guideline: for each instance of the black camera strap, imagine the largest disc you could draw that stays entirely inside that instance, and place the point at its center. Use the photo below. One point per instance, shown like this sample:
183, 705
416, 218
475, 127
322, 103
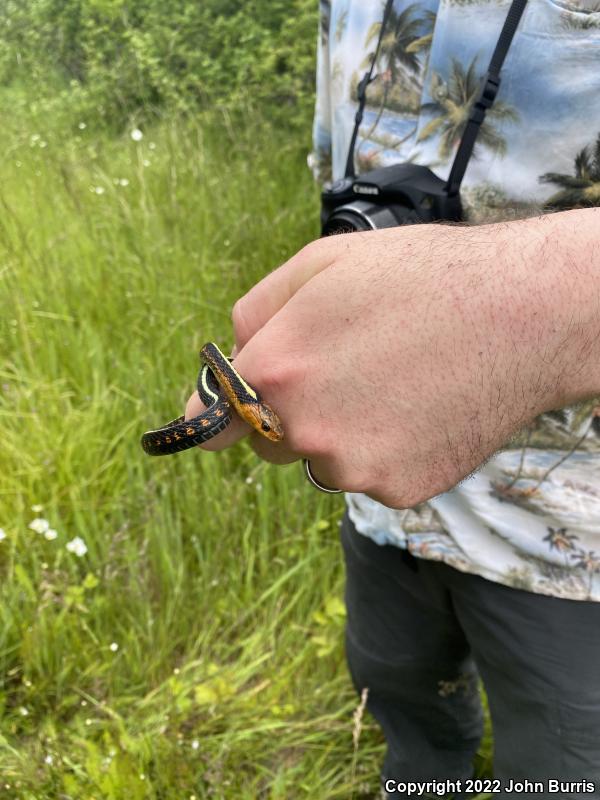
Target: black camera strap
485, 100
366, 79
487, 95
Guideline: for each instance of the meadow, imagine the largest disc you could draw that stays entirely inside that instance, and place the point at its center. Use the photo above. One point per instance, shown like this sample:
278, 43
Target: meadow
169, 628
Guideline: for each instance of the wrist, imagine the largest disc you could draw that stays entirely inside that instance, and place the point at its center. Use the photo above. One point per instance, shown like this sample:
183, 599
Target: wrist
570, 257
574, 244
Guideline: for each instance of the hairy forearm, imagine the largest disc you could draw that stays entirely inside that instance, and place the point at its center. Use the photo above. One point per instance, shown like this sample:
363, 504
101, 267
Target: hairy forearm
554, 283
435, 343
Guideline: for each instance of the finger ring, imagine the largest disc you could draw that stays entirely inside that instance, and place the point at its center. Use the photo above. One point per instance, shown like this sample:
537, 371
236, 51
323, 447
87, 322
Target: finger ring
315, 482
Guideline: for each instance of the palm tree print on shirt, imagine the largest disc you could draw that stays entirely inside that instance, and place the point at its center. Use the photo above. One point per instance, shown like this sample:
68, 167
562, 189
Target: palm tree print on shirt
451, 103
588, 16
340, 25
406, 34
581, 189
561, 540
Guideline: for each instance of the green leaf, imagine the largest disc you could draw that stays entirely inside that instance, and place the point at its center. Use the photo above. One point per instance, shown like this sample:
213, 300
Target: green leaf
90, 581
205, 694
334, 607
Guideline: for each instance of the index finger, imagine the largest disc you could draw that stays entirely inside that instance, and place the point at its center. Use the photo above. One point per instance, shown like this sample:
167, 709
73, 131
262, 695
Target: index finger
269, 295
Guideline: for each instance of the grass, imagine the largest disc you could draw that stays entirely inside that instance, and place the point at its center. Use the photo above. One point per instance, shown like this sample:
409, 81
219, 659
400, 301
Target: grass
195, 650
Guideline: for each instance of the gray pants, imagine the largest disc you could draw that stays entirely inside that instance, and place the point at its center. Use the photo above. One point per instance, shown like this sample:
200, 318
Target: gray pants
419, 636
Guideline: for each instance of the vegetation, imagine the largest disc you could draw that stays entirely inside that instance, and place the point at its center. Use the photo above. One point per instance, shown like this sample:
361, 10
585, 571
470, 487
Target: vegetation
197, 640
118, 60
172, 628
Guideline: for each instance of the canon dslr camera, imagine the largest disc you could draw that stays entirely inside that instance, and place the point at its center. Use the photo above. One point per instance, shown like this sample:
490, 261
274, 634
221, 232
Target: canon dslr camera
402, 194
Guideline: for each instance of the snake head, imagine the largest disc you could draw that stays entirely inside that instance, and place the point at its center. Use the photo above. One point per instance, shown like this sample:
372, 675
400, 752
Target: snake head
263, 419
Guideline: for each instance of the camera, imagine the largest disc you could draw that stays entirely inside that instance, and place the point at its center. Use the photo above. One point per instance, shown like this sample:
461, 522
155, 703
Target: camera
402, 194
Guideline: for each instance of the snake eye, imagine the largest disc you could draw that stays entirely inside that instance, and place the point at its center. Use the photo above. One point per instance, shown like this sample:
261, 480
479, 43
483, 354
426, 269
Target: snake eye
265, 426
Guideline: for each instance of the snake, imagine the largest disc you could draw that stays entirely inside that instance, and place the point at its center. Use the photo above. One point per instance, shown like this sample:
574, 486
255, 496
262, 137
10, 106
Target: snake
224, 391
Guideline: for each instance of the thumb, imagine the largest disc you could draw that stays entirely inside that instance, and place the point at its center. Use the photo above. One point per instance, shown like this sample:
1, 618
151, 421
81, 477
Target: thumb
269, 295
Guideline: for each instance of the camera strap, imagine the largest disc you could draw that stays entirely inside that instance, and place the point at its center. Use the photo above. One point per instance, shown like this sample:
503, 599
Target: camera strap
485, 99
366, 79
487, 95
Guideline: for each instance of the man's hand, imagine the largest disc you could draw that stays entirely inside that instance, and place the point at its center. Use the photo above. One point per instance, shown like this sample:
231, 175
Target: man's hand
400, 360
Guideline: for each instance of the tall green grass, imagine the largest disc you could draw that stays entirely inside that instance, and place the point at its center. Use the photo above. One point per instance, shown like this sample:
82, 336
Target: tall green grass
195, 649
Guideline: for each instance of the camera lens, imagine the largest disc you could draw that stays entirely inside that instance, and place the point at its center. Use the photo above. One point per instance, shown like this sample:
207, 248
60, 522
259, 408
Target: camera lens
359, 215
344, 220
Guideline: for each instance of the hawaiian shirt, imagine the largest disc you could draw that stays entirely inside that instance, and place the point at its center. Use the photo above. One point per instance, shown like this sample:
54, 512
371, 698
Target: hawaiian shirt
529, 518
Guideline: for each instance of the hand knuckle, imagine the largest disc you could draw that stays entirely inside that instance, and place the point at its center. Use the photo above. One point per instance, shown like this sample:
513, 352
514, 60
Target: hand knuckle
277, 374
241, 326
393, 496
341, 474
353, 482
310, 250
313, 442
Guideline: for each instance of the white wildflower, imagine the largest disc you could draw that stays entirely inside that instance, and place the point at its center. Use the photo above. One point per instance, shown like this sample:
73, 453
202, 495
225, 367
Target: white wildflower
123, 182
114, 647
146, 163
2, 534
77, 546
50, 534
249, 479
48, 759
99, 189
195, 744
39, 525
82, 126
137, 135
23, 711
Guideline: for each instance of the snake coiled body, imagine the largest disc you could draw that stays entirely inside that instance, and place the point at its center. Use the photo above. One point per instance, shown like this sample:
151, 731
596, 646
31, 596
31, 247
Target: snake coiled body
224, 391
